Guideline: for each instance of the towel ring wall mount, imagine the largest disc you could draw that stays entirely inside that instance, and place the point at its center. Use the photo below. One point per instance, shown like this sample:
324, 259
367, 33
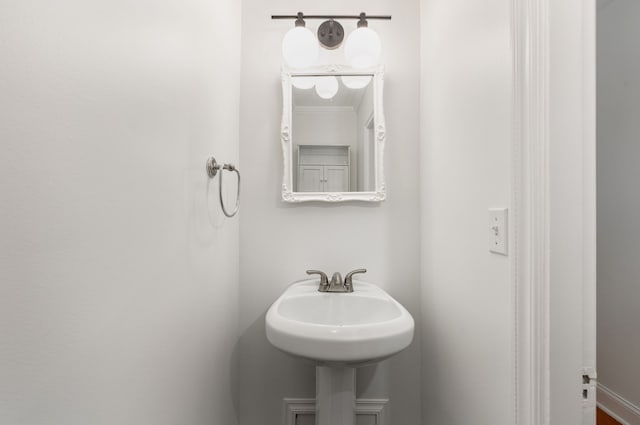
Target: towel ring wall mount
212, 170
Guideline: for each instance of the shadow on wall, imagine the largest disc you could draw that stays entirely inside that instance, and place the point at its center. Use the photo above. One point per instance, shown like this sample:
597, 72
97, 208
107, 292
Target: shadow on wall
258, 355
234, 380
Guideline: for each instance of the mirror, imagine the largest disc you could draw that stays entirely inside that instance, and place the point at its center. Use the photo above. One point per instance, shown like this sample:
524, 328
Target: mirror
333, 135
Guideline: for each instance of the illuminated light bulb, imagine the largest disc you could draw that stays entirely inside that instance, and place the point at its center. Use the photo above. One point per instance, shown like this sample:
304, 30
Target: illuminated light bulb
303, 83
363, 48
327, 87
356, 81
300, 47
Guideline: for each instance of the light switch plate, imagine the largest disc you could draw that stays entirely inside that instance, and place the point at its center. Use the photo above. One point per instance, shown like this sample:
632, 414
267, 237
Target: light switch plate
498, 230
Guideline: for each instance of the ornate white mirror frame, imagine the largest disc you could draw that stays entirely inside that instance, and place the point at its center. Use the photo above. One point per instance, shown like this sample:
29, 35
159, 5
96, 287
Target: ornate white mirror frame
286, 138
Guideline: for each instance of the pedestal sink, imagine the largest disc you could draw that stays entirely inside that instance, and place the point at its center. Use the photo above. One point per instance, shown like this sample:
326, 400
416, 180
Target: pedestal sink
338, 331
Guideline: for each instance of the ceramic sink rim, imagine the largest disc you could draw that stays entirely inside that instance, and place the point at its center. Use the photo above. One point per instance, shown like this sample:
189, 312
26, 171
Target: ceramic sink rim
339, 343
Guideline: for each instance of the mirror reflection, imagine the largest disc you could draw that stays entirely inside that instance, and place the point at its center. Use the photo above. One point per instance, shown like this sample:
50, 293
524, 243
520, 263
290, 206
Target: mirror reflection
333, 133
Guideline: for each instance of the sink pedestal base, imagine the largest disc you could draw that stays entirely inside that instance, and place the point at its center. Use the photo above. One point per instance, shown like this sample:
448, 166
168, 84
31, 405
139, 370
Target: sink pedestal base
335, 395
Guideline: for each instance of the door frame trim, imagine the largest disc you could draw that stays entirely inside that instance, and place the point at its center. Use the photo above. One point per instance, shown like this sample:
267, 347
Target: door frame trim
530, 204
531, 196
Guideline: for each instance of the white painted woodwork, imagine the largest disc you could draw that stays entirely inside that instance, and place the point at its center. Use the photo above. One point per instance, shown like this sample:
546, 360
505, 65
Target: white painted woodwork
323, 168
323, 178
311, 178
302, 411
570, 176
617, 406
324, 154
336, 178
530, 197
554, 211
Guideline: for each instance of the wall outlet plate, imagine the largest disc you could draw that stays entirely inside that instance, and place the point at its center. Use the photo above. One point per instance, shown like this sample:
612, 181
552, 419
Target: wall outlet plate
498, 230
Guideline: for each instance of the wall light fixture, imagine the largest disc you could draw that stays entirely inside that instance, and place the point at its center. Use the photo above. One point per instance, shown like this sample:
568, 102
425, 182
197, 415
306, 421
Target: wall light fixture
299, 46
300, 49
363, 46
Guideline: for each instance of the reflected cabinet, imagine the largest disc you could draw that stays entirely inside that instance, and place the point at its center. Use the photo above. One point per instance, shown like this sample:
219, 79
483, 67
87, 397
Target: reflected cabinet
323, 168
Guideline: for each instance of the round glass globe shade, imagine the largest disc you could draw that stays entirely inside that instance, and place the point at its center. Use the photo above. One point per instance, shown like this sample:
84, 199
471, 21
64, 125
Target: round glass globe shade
303, 83
356, 81
300, 48
363, 48
327, 87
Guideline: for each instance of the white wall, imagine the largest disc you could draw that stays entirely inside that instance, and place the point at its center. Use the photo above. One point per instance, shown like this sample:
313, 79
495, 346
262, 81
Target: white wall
467, 316
618, 200
324, 127
118, 275
280, 241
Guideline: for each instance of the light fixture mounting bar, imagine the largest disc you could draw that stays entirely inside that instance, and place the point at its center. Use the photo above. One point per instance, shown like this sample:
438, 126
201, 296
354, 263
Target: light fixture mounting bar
383, 17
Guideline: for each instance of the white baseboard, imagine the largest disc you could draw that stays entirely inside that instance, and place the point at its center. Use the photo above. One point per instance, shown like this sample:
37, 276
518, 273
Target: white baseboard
617, 406
299, 411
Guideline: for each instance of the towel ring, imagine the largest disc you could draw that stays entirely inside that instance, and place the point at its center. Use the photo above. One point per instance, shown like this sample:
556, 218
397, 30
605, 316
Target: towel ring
212, 171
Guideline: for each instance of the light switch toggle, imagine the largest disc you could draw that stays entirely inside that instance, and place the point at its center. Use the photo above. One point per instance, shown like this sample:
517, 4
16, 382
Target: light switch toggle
498, 236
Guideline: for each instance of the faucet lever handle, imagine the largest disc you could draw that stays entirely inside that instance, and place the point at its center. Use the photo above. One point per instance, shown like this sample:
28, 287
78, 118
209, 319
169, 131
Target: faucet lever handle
324, 281
348, 280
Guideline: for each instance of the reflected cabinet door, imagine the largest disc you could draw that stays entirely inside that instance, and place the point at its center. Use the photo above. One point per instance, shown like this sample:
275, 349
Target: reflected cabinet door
310, 178
336, 178
323, 178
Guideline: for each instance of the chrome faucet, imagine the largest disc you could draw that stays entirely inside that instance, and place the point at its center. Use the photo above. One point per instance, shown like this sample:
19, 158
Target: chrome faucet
336, 284
324, 282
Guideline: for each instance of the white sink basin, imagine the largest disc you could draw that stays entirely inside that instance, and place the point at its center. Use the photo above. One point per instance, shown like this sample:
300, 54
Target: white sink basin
355, 328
